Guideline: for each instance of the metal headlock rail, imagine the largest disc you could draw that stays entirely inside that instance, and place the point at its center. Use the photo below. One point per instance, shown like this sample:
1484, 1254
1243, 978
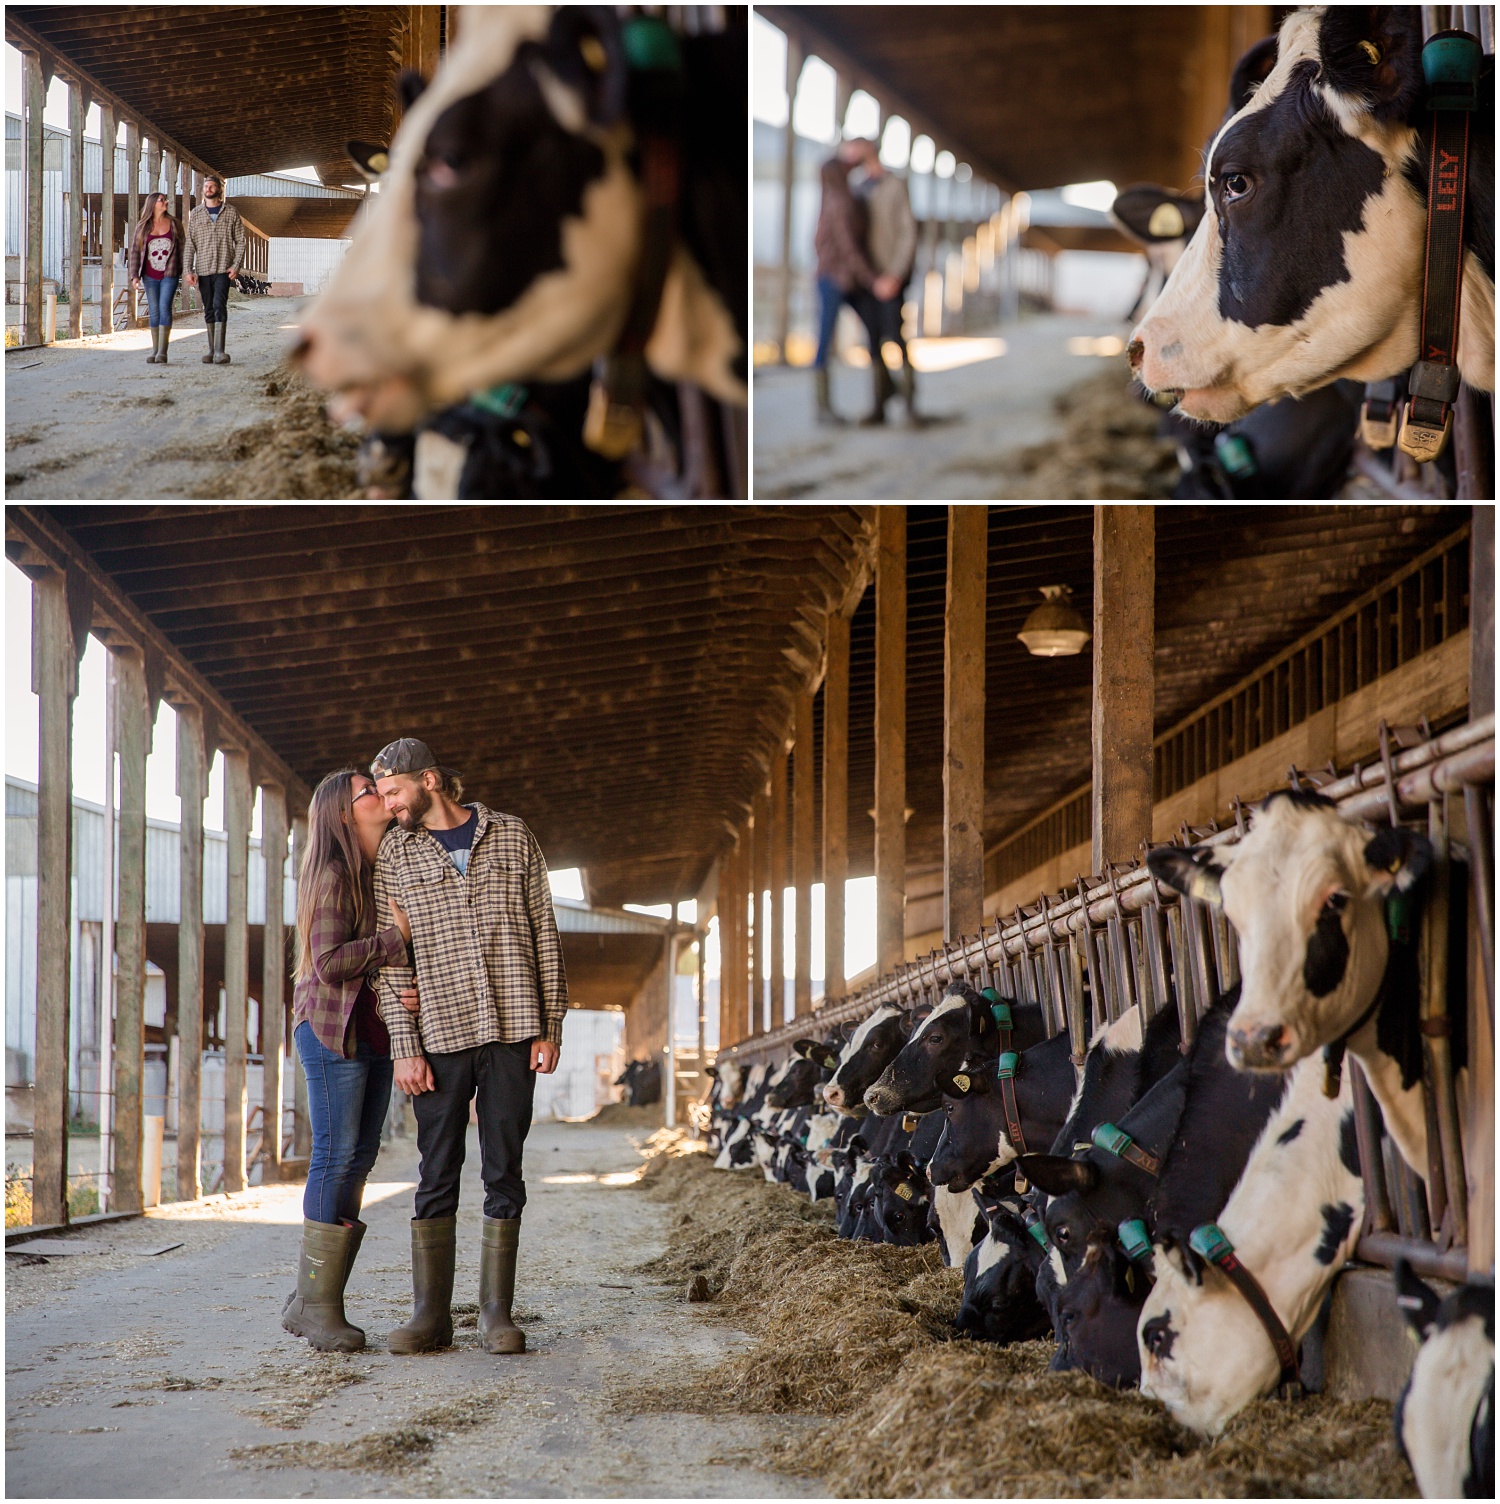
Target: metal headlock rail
1121, 940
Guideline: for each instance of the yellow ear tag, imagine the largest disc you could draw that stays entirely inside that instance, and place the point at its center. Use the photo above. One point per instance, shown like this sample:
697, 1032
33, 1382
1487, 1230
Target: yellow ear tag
1372, 52
591, 50
903, 1191
1166, 222
961, 1082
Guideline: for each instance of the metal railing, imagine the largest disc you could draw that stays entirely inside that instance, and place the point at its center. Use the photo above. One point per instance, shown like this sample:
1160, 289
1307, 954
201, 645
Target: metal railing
1417, 608
1120, 940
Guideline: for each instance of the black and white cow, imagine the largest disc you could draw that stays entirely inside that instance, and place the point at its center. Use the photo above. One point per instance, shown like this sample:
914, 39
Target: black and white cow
642, 1082
1308, 264
1000, 1301
872, 1046
505, 242
959, 1027
1445, 1418
1294, 1217
1307, 892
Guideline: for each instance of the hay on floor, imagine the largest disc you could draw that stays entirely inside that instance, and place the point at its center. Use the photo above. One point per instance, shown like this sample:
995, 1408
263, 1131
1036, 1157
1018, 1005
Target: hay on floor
863, 1332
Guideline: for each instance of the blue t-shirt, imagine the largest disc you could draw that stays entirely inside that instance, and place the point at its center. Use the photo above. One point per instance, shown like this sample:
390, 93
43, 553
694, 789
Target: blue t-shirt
214, 211
458, 840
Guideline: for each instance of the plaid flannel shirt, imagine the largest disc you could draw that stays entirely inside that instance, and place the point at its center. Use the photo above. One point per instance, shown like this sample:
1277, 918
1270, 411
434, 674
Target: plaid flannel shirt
489, 962
342, 960
214, 245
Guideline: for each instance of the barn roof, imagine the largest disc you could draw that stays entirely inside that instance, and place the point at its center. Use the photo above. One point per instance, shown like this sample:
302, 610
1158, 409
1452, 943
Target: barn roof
1037, 96
618, 675
249, 88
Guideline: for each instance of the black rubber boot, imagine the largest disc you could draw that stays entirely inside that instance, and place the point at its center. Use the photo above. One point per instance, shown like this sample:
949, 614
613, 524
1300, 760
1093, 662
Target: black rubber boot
155, 356
208, 359
431, 1326
166, 339
220, 358
884, 390
497, 1286
826, 413
316, 1312
908, 386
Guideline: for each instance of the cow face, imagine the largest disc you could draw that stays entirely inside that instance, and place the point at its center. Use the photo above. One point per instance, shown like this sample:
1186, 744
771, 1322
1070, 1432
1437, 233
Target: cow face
504, 241
1305, 892
1096, 1315
1000, 1301
1308, 264
912, 1080
900, 1203
871, 1048
974, 1143
731, 1076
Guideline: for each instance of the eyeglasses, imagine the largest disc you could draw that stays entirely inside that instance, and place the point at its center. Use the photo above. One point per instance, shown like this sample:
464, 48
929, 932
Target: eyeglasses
365, 793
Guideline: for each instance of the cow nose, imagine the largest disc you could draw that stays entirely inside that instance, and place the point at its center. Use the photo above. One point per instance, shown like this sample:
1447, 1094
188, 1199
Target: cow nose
834, 1095
1136, 352
1260, 1046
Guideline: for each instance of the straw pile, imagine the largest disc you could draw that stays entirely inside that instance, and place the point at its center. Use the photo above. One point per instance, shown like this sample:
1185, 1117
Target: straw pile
863, 1332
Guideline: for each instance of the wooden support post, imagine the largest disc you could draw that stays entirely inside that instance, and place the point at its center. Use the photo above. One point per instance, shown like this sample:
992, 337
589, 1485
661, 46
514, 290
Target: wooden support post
890, 739
755, 935
169, 164
133, 720
963, 721
56, 636
776, 960
237, 811
760, 881
153, 165
35, 95
1479, 1147
802, 854
273, 977
748, 1025
77, 241
1124, 679
702, 946
301, 1123
133, 206
794, 60
108, 129
835, 802
192, 789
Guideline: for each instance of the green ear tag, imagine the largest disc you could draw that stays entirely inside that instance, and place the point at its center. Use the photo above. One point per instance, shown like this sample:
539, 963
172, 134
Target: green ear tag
1039, 1234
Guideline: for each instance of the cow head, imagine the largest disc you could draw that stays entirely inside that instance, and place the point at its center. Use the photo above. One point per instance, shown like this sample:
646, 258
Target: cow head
913, 1080
1096, 1315
901, 1201
731, 1076
870, 1049
1000, 1301
1305, 891
1308, 264
504, 241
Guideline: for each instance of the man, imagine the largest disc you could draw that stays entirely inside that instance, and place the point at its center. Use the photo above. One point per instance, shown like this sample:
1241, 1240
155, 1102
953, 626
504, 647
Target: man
215, 252
891, 245
489, 971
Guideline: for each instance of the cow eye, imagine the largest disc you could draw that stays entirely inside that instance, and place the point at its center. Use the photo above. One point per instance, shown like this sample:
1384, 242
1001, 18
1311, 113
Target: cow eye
1061, 1235
1236, 185
441, 172
1336, 903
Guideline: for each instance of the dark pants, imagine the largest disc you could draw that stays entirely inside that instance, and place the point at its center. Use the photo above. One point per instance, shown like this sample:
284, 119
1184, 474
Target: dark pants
346, 1105
501, 1078
881, 318
215, 289
159, 294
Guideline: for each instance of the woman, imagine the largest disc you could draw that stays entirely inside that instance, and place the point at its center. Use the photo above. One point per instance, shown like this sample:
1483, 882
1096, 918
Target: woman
839, 243
343, 1045
156, 261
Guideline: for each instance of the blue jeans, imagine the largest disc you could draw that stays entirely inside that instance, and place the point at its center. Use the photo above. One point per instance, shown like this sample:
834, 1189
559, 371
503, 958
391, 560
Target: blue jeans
830, 300
347, 1102
159, 294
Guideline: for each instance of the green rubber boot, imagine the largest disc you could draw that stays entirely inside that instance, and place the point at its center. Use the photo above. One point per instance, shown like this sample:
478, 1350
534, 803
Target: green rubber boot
497, 1286
208, 359
316, 1311
433, 1241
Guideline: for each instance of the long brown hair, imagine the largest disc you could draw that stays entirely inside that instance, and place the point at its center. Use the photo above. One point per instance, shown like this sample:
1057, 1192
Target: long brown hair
333, 855
148, 215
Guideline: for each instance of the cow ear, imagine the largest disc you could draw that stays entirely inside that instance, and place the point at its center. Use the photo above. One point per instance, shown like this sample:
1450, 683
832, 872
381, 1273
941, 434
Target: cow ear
1250, 73
1397, 859
1156, 214
804, 1047
1192, 870
409, 87
586, 50
1373, 54
369, 160
713, 1071
1057, 1175
1418, 1301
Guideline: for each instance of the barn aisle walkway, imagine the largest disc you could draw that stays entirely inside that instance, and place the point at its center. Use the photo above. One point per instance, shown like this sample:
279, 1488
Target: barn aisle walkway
133, 1375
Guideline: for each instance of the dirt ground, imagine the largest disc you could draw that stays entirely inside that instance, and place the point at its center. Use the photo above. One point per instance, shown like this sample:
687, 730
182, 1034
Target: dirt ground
136, 1373
987, 414
90, 420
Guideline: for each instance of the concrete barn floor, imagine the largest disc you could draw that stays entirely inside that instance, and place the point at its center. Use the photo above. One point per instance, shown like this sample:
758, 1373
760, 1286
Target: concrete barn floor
89, 420
135, 1376
986, 410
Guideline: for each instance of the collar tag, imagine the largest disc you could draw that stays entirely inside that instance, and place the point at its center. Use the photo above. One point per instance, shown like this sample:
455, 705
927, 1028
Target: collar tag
1038, 1234
1005, 1068
1134, 1239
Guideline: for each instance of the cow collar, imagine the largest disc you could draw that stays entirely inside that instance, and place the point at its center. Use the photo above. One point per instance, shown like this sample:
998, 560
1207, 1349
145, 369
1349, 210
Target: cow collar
1209, 1242
615, 423
1005, 1074
1450, 65
1119, 1143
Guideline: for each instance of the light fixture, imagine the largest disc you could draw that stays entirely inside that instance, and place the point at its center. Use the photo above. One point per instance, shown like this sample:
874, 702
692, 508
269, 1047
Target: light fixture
1054, 629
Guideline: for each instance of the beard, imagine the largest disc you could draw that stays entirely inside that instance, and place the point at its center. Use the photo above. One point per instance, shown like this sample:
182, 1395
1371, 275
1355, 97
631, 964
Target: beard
417, 805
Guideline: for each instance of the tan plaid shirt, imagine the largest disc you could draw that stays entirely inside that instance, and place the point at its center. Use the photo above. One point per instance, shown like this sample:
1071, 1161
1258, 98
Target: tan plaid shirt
489, 961
214, 245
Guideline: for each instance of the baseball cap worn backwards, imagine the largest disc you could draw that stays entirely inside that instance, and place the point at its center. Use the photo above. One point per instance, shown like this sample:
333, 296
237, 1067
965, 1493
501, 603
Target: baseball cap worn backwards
404, 755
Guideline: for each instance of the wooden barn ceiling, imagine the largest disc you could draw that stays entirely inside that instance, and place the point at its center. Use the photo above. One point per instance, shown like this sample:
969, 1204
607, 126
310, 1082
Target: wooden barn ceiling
609, 673
617, 675
250, 88
1038, 96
